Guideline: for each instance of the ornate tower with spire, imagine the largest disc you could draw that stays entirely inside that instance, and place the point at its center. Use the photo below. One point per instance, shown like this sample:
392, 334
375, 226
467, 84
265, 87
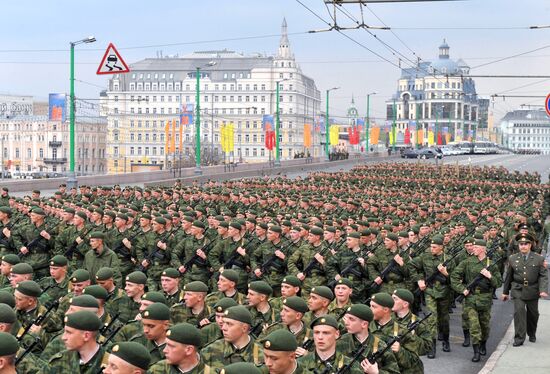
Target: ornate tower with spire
284, 44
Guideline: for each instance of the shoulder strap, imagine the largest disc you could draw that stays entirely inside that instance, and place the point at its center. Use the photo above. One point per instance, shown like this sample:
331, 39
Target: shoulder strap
255, 354
105, 360
206, 369
395, 329
375, 344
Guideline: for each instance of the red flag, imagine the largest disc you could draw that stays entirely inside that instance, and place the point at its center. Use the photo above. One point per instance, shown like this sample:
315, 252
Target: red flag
407, 136
269, 140
439, 140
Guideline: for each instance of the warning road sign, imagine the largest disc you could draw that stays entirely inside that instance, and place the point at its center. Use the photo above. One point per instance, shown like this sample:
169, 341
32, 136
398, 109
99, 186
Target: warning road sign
112, 62
547, 105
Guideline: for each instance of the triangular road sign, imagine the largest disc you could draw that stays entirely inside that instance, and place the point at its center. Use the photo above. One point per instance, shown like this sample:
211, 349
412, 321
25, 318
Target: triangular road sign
112, 62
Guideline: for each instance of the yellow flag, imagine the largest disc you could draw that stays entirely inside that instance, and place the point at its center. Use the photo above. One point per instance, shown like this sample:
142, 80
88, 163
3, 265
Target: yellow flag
334, 134
431, 138
230, 137
224, 138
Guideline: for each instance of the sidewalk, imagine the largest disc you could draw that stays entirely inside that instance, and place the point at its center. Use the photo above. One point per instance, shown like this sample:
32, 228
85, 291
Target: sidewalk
532, 358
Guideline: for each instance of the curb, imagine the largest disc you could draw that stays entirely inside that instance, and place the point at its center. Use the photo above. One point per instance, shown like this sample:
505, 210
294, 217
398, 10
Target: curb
499, 351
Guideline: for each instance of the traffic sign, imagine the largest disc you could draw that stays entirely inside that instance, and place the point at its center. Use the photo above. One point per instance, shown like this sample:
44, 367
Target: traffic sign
112, 62
547, 105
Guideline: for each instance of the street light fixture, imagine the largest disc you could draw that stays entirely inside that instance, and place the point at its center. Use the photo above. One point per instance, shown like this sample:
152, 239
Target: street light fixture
198, 170
367, 125
327, 126
71, 177
277, 124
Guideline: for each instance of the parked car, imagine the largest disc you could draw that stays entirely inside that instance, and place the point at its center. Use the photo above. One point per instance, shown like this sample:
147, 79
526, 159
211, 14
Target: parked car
409, 153
426, 153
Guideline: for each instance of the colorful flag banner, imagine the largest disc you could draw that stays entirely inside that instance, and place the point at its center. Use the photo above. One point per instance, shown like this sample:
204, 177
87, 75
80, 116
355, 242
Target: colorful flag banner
307, 135
173, 138
186, 117
267, 123
431, 138
374, 135
334, 133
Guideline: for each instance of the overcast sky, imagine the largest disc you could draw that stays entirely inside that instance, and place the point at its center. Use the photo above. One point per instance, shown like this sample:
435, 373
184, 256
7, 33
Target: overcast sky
35, 37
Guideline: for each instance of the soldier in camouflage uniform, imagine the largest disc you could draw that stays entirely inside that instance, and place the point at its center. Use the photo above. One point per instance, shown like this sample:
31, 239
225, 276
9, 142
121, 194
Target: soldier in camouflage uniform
227, 283
263, 313
6, 226
170, 284
56, 285
155, 324
193, 310
478, 301
193, 249
123, 241
270, 260
153, 253
127, 357
398, 276
117, 302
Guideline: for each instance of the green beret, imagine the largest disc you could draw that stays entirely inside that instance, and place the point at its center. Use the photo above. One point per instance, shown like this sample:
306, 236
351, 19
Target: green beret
331, 229
7, 314
83, 320
84, 301
22, 268
224, 303
224, 224
239, 313
437, 239
104, 274
219, 218
261, 287
403, 234
7, 298
38, 211
157, 312
160, 220
383, 299
196, 286
29, 288
189, 219
354, 235
122, 216
280, 340
296, 303
69, 210
146, 216
481, 242
136, 277
276, 229
404, 295
230, 275
240, 368
96, 291
80, 275
236, 225
292, 280
316, 231
392, 236
323, 291
263, 225
345, 282
327, 320
469, 240
111, 214
11, 259
133, 353
6, 210
8, 344
82, 215
58, 260
286, 223
361, 311
185, 333
199, 224
97, 235
155, 296
171, 273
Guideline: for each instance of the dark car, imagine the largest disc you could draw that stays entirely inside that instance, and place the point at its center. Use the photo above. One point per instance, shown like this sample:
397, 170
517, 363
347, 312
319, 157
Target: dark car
409, 153
428, 153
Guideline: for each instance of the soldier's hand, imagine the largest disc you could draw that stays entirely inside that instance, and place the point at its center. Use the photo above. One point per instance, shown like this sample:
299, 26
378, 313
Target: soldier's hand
443, 270
201, 254
24, 250
421, 284
395, 347
486, 273
399, 260
35, 329
361, 261
466, 292
301, 276
320, 259
127, 243
301, 352
543, 294
144, 263
6, 232
280, 254
378, 280
368, 367
45, 235
220, 270
258, 273
78, 240
182, 269
504, 297
545, 264
204, 322
162, 245
241, 251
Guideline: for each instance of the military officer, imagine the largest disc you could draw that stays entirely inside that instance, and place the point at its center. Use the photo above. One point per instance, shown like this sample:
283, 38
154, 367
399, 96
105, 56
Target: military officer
527, 280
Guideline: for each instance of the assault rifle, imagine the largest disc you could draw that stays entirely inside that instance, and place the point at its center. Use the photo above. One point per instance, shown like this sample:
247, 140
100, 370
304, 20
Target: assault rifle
479, 278
72, 249
231, 260
37, 242
349, 269
374, 357
9, 227
121, 248
437, 274
189, 263
38, 320
266, 266
155, 253
391, 267
29, 349
313, 263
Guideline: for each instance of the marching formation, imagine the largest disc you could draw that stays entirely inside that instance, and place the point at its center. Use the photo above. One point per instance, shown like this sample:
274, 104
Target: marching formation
349, 272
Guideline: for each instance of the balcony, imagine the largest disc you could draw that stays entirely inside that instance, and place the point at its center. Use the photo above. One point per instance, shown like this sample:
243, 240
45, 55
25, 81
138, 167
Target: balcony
55, 143
62, 160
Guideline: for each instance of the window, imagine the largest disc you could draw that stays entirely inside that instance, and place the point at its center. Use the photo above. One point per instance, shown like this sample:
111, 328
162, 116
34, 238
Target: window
131, 151
41, 153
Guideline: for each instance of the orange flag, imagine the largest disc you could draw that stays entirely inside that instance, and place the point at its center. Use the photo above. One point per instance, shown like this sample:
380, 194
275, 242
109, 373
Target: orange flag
173, 140
374, 135
307, 135
181, 137
420, 136
167, 136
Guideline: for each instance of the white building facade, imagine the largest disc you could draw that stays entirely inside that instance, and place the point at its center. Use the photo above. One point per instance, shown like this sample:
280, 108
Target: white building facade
234, 89
526, 130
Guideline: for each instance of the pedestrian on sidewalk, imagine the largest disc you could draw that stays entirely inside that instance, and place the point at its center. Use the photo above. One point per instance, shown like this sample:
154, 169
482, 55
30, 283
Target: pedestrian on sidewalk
527, 278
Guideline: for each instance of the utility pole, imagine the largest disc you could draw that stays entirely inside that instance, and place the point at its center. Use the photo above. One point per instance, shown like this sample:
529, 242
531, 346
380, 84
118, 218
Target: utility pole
367, 124
393, 126
327, 127
198, 170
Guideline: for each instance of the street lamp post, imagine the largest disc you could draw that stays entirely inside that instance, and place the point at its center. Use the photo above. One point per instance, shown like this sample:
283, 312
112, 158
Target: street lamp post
277, 125
71, 177
198, 170
393, 126
367, 125
327, 126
